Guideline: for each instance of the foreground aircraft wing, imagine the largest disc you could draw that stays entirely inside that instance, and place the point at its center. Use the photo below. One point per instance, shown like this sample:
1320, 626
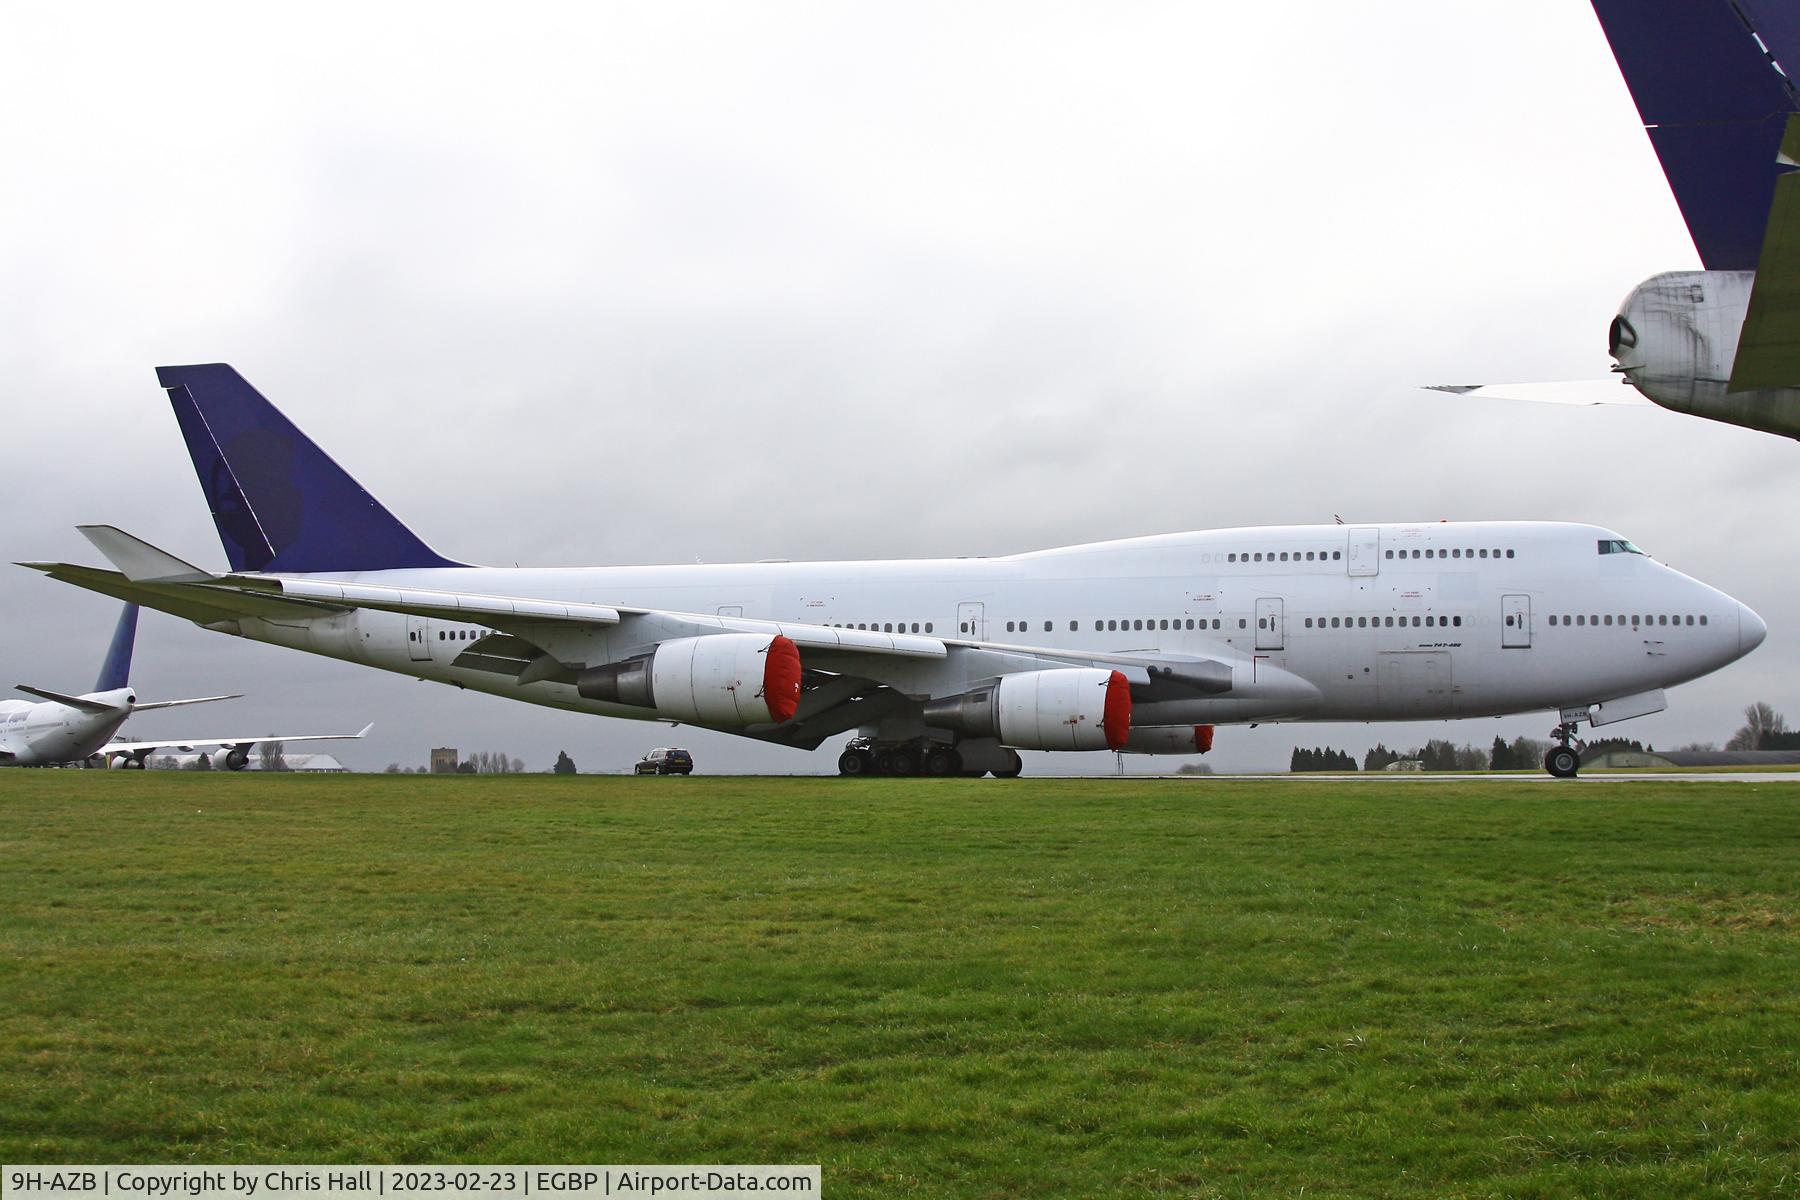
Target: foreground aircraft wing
1574, 391
189, 744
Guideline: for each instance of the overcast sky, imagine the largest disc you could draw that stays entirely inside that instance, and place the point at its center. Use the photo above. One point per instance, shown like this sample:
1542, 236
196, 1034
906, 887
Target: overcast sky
664, 282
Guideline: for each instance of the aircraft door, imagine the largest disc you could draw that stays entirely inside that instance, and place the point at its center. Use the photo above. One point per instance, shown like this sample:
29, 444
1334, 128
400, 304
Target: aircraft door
417, 630
1515, 622
1364, 554
1270, 625
970, 622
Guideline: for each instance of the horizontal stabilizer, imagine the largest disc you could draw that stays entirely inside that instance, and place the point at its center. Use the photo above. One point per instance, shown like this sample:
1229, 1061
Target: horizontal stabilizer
1573, 391
180, 703
81, 702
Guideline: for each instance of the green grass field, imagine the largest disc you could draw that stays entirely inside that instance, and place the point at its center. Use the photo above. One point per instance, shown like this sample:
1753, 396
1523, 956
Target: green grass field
934, 988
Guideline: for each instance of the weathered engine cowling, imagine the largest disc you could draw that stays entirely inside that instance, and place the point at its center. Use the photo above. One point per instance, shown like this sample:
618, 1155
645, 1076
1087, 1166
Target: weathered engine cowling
1169, 739
1070, 708
719, 679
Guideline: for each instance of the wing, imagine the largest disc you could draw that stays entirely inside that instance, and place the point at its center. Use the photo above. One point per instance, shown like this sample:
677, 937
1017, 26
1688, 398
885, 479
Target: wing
1574, 391
188, 744
851, 677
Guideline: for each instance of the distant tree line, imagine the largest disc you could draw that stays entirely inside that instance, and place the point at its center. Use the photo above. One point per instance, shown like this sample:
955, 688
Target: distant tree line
1320, 759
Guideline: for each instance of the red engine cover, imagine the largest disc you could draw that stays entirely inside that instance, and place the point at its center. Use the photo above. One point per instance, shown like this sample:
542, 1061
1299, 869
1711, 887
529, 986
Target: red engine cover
1116, 719
781, 680
1203, 738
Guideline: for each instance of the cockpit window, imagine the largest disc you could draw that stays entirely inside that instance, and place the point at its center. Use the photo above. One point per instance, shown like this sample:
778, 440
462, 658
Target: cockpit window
1617, 546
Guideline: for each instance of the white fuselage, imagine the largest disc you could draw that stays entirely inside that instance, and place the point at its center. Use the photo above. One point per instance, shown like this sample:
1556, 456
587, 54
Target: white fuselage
39, 735
1390, 622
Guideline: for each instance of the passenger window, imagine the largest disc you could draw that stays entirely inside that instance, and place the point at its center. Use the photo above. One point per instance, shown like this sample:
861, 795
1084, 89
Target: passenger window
1362, 622
1259, 556
1164, 624
1553, 618
1190, 622
965, 627
1309, 622
1337, 554
1415, 622
1509, 554
1456, 621
1509, 620
1690, 620
1484, 554
1243, 624
1703, 618
1415, 554
1390, 622
1334, 622
1309, 556
928, 627
1430, 553
1046, 627
1231, 558
1390, 554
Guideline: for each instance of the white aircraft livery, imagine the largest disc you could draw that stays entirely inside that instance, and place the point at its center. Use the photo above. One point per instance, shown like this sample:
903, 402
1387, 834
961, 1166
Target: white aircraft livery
943, 665
73, 729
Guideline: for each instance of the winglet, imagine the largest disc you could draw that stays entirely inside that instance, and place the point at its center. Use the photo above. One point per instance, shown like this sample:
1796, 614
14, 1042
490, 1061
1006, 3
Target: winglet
138, 560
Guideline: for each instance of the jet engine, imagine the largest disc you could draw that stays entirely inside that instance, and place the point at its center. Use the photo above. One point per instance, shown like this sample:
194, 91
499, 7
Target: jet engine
1169, 739
719, 679
1069, 708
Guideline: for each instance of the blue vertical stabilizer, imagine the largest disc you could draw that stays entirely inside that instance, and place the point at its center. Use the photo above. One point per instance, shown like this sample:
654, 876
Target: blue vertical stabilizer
1708, 80
280, 502
115, 672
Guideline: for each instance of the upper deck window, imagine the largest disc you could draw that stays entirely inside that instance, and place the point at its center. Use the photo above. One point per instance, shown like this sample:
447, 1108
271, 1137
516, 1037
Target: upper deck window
1617, 546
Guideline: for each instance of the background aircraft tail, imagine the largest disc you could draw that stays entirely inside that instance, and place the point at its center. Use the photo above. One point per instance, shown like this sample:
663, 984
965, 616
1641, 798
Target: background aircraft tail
115, 672
1708, 79
280, 502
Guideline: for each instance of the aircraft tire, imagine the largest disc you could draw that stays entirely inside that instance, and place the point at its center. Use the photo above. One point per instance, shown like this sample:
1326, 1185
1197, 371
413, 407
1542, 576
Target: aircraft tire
1562, 762
943, 760
884, 762
905, 761
854, 763
1014, 766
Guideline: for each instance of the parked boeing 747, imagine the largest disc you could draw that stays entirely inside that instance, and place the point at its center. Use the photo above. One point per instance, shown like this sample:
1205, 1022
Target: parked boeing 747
74, 729
943, 665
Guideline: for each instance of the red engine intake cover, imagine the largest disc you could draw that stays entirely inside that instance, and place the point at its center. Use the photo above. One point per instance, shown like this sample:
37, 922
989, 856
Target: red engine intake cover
781, 680
1116, 717
1203, 738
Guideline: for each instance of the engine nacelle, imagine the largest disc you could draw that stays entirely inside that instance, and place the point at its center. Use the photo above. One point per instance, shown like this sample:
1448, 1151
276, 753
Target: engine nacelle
719, 679
1069, 708
1169, 739
1676, 339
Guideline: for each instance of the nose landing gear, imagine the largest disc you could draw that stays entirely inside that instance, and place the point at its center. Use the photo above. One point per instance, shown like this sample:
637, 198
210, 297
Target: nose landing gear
1564, 758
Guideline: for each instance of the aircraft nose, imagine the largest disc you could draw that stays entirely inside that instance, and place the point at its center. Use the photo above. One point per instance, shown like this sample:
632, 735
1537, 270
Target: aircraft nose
1751, 629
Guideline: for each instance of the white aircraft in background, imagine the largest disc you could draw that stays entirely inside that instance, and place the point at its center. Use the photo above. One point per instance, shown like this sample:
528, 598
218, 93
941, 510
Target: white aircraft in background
1724, 118
943, 665
73, 729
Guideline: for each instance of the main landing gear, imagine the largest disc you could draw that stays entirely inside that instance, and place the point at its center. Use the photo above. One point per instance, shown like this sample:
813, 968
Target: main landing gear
921, 756
1564, 758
